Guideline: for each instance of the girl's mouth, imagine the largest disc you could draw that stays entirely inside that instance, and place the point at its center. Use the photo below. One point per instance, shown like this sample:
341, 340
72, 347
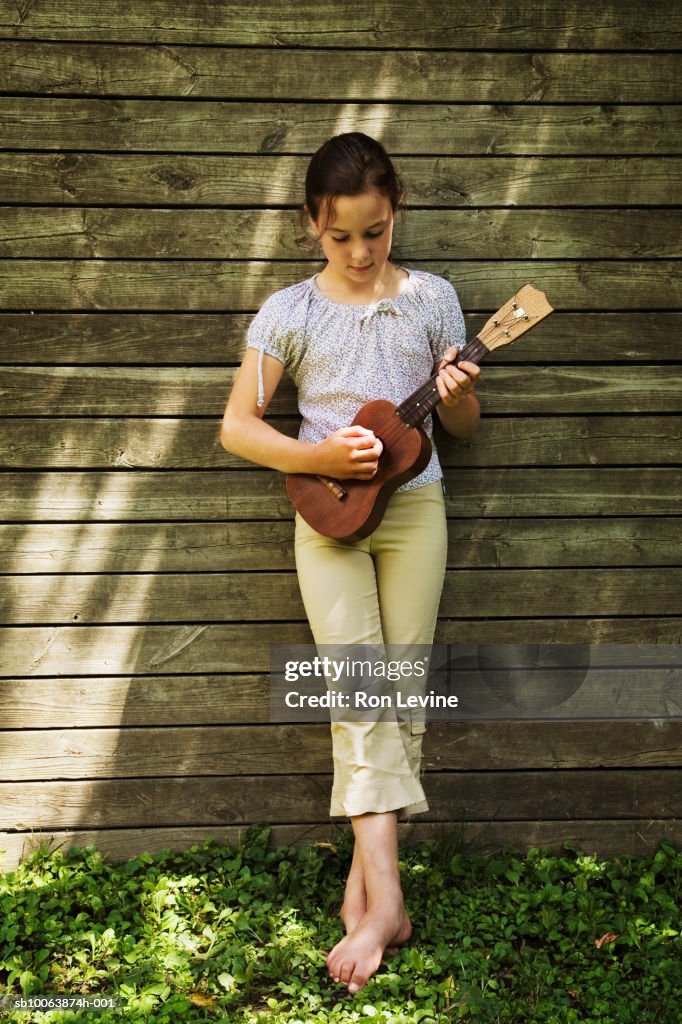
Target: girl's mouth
361, 270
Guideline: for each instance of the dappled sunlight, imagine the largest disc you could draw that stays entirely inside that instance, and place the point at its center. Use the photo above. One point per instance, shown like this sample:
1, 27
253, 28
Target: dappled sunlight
82, 582
107, 499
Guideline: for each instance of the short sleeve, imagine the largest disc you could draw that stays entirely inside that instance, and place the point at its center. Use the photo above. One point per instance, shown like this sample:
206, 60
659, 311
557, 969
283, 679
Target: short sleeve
267, 332
449, 327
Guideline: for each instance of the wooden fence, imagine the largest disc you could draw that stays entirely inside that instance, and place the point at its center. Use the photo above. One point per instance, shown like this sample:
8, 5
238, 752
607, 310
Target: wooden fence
150, 173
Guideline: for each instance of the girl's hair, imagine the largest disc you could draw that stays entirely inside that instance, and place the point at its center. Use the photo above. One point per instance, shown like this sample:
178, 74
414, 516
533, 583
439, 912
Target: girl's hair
348, 165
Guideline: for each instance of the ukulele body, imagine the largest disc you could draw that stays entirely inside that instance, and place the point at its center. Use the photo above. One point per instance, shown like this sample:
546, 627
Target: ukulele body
348, 510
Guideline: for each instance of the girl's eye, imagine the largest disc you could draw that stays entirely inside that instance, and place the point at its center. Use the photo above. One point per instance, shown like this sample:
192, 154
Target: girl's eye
370, 234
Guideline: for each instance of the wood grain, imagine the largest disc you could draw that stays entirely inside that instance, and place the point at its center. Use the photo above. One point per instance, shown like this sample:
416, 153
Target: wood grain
211, 285
252, 596
242, 494
86, 233
574, 25
204, 800
643, 727
221, 126
198, 546
51, 651
184, 179
31, 755
122, 442
203, 391
197, 339
81, 69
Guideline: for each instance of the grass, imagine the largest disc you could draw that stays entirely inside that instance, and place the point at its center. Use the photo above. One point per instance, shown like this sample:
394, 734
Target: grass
240, 935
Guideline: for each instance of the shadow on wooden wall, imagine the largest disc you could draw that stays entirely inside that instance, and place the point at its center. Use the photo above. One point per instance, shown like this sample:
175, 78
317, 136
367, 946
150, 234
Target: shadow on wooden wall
152, 170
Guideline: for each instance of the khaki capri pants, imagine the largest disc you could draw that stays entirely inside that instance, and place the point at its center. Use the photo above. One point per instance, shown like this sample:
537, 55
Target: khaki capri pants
384, 589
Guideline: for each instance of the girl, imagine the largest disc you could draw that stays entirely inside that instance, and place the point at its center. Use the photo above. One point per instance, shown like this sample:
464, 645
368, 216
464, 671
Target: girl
360, 329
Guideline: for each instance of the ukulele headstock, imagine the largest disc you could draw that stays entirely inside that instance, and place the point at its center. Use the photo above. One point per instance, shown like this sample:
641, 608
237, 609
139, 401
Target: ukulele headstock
524, 310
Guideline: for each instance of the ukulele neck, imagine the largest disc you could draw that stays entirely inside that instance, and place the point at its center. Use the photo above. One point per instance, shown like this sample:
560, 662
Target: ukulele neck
525, 309
424, 400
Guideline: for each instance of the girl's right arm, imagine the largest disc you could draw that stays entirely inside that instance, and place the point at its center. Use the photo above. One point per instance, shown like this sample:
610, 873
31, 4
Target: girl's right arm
351, 452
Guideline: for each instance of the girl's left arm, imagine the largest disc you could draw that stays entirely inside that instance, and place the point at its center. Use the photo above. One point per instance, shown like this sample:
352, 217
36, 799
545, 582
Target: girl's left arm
458, 410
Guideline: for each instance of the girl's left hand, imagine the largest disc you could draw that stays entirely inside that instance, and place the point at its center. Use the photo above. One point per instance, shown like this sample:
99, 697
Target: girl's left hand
454, 383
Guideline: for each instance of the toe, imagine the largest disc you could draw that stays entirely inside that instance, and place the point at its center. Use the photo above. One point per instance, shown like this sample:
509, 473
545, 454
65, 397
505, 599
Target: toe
358, 980
347, 971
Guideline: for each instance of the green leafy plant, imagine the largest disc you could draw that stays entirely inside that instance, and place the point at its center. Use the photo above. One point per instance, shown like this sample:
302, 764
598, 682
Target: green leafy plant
240, 934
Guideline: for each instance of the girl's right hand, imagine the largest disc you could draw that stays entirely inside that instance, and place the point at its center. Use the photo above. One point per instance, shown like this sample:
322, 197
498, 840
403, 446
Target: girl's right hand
349, 453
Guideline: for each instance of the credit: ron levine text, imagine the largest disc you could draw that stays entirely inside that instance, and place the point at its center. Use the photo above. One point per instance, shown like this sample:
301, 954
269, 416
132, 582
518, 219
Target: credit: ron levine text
359, 699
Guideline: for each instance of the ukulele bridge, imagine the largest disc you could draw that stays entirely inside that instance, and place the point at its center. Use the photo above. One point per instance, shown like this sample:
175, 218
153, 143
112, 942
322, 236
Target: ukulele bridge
333, 486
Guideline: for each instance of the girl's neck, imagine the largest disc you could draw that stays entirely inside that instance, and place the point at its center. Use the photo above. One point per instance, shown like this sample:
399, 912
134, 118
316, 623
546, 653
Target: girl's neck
391, 283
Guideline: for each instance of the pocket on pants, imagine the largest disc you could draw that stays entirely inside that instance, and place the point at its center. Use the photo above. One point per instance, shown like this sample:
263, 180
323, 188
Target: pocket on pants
417, 730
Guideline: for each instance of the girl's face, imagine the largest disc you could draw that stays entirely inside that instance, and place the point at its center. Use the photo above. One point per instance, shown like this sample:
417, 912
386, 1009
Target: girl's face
356, 238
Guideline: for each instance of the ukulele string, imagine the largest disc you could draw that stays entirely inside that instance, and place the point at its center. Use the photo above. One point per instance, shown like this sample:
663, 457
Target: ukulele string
411, 410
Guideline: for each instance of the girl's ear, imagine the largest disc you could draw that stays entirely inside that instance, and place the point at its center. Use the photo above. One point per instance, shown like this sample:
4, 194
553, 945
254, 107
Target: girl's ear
311, 225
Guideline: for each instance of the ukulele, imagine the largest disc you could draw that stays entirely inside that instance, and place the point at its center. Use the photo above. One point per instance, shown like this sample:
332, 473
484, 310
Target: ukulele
348, 510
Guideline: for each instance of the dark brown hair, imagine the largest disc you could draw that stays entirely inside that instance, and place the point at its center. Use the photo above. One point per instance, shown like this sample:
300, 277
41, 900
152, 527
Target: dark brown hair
348, 165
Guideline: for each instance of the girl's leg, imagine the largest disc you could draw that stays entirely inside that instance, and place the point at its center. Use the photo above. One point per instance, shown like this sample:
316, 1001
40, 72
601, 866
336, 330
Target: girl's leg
339, 589
348, 600
354, 903
338, 586
356, 958
410, 559
409, 550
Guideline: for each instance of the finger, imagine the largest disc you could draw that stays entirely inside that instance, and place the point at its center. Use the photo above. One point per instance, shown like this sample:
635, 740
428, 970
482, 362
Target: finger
369, 448
356, 430
473, 370
444, 391
456, 383
459, 381
451, 391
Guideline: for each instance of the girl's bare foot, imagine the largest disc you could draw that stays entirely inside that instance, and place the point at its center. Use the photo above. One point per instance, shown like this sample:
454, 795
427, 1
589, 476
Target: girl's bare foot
354, 906
357, 957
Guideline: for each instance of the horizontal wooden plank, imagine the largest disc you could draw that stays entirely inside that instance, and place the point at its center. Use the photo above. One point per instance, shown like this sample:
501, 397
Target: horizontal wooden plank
129, 179
204, 597
603, 838
388, 23
31, 755
123, 701
259, 494
50, 651
210, 285
219, 338
475, 796
122, 338
564, 441
150, 752
219, 126
101, 233
457, 76
171, 443
196, 547
201, 391
618, 716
